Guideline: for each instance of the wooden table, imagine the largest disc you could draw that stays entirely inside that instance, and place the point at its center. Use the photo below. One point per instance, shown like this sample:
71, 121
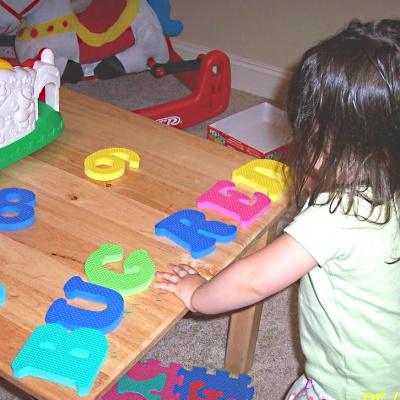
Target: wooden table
75, 215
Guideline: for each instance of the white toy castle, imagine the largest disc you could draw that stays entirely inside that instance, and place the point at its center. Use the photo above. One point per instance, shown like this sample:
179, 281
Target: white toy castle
20, 88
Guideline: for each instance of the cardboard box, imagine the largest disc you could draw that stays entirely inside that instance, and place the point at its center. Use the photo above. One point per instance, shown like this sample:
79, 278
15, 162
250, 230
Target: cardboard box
261, 131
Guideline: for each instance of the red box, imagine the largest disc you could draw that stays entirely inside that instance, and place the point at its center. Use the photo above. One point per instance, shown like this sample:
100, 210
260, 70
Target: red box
261, 131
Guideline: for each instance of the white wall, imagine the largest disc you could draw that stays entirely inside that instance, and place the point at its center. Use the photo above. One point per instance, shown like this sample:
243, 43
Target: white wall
269, 35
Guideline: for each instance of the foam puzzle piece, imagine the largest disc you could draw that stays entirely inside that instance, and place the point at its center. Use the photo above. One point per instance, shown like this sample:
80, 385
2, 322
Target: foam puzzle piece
114, 158
20, 203
144, 388
199, 384
144, 381
71, 359
139, 270
191, 230
147, 380
224, 199
2, 294
73, 317
210, 394
266, 176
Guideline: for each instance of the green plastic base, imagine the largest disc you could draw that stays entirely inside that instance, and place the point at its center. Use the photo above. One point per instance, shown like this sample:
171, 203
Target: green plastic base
48, 127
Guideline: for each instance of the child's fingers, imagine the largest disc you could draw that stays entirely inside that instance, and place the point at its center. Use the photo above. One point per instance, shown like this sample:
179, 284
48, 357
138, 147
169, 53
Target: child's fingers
189, 269
168, 276
168, 286
178, 269
173, 267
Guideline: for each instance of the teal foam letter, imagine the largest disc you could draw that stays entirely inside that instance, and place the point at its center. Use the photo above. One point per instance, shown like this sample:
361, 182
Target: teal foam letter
144, 387
71, 359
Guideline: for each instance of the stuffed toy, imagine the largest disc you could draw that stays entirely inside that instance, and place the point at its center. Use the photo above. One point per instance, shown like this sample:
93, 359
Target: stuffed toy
98, 37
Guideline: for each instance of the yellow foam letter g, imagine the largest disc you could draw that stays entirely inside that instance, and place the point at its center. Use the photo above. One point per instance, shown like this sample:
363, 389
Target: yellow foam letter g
266, 176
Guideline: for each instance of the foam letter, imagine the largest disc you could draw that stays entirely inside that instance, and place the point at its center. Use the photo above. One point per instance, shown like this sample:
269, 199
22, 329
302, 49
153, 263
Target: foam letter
266, 176
19, 202
149, 379
2, 294
71, 359
138, 274
73, 317
143, 387
189, 229
224, 199
114, 158
198, 384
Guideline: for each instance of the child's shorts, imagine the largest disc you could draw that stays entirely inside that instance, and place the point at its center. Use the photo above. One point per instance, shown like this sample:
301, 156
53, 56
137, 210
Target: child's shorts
306, 389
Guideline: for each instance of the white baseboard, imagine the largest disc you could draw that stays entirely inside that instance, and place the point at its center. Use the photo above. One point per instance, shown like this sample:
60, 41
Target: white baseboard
247, 75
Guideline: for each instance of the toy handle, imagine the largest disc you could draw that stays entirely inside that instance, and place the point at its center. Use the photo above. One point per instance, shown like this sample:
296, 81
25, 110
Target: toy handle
159, 70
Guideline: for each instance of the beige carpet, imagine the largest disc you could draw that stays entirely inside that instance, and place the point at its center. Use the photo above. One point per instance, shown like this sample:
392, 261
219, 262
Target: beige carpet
200, 341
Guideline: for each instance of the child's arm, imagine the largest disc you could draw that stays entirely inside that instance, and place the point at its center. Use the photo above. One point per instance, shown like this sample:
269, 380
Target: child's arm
242, 283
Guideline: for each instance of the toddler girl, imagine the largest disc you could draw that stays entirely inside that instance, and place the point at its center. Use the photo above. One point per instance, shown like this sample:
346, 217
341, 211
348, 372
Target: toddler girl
344, 108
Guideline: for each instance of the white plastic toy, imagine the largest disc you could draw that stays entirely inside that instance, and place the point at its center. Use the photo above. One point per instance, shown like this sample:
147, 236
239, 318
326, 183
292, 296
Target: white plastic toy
20, 88
27, 124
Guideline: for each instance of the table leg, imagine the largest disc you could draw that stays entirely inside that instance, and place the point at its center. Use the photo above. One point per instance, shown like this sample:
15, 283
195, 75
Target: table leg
244, 326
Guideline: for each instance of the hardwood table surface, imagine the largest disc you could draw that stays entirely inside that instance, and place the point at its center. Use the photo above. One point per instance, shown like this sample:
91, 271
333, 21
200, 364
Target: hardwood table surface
75, 215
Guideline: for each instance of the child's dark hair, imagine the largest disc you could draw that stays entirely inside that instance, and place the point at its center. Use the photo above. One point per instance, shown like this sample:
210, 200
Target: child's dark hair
344, 108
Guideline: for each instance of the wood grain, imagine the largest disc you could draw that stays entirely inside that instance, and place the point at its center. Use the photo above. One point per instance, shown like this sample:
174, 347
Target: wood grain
75, 215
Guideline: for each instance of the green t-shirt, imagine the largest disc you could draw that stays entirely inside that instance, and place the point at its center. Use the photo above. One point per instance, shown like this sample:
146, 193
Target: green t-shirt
349, 306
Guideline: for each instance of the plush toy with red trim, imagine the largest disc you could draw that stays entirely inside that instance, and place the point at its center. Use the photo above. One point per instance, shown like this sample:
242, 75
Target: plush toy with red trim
98, 37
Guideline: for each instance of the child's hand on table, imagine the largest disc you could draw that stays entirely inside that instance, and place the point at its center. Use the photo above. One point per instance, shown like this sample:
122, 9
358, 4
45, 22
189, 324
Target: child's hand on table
183, 282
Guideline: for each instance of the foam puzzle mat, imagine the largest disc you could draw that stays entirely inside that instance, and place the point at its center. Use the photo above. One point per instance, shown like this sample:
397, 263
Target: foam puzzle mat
152, 381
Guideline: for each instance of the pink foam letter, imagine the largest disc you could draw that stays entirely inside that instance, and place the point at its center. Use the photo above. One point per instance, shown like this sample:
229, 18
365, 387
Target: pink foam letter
224, 199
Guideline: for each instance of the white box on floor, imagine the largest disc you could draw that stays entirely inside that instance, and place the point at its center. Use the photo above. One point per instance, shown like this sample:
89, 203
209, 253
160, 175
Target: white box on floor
261, 131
